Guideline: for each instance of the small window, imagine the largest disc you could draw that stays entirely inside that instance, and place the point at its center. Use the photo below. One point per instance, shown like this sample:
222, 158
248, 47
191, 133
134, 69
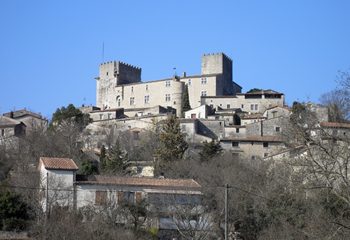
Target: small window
235, 144
253, 157
242, 106
266, 144
189, 82
266, 154
146, 87
132, 89
146, 99
101, 198
132, 101
109, 115
101, 116
237, 130
118, 102
204, 93
2, 132
193, 115
274, 114
278, 129
256, 107
167, 97
167, 83
228, 106
106, 73
204, 80
252, 107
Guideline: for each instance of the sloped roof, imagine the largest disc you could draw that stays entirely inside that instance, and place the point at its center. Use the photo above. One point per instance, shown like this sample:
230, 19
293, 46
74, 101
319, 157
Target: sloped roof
138, 181
21, 113
255, 138
8, 122
58, 163
335, 125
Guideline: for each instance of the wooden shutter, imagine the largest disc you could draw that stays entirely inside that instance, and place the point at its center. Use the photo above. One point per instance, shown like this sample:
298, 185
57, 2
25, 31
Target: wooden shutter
101, 198
120, 196
138, 197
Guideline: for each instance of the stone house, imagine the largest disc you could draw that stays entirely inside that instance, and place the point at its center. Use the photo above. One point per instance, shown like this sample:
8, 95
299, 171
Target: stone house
30, 119
253, 102
11, 128
253, 147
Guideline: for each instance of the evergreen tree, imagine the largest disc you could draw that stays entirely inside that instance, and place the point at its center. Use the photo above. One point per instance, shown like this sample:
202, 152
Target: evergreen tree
88, 168
70, 114
210, 150
13, 212
185, 100
115, 160
172, 144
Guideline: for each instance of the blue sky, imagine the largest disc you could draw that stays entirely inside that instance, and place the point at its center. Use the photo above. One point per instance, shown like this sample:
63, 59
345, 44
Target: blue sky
50, 50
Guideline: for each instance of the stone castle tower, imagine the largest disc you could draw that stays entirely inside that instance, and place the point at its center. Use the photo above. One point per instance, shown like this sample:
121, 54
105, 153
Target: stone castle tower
119, 85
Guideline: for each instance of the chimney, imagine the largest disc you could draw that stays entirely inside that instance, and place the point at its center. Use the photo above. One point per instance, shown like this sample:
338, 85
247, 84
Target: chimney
11, 114
184, 74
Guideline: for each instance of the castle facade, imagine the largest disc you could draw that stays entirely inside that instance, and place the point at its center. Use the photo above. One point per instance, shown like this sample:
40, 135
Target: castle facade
119, 85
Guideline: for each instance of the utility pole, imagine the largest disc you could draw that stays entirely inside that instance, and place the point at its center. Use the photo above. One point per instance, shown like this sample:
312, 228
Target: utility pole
226, 216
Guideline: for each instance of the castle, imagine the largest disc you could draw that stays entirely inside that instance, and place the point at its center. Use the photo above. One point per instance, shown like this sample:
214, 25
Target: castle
119, 85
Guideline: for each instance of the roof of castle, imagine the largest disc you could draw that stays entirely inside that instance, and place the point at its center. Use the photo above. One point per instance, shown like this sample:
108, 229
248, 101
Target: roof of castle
58, 163
140, 181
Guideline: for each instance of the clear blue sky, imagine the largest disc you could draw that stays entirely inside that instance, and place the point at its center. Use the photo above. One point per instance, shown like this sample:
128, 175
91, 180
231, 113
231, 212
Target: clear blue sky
50, 50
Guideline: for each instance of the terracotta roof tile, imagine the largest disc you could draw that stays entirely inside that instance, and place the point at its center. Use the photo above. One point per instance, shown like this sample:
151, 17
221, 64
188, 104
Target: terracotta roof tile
58, 163
335, 125
133, 181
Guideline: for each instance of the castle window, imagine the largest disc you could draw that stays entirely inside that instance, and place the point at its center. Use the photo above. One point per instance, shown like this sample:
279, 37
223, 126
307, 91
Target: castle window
266, 144
235, 144
254, 107
242, 106
204, 80
107, 73
237, 130
167, 83
2, 132
189, 82
146, 87
146, 99
132, 101
204, 93
118, 102
167, 97
278, 129
132, 89
228, 106
101, 116
274, 114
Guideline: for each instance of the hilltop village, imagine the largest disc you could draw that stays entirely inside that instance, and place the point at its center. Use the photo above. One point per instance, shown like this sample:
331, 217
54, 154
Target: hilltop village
155, 156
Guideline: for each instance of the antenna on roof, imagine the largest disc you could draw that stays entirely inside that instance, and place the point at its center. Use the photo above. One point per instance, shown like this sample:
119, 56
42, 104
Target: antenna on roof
103, 51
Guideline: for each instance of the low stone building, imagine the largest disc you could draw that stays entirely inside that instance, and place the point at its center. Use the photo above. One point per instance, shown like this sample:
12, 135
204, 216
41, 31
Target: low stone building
30, 119
253, 147
61, 186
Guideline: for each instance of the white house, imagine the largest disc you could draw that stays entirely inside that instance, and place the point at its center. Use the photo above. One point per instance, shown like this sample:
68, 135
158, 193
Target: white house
61, 186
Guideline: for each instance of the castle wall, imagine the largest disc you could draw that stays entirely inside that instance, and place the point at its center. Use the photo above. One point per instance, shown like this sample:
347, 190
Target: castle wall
198, 86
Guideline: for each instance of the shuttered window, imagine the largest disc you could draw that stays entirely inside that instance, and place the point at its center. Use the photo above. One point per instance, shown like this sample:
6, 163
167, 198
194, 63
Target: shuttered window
101, 198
